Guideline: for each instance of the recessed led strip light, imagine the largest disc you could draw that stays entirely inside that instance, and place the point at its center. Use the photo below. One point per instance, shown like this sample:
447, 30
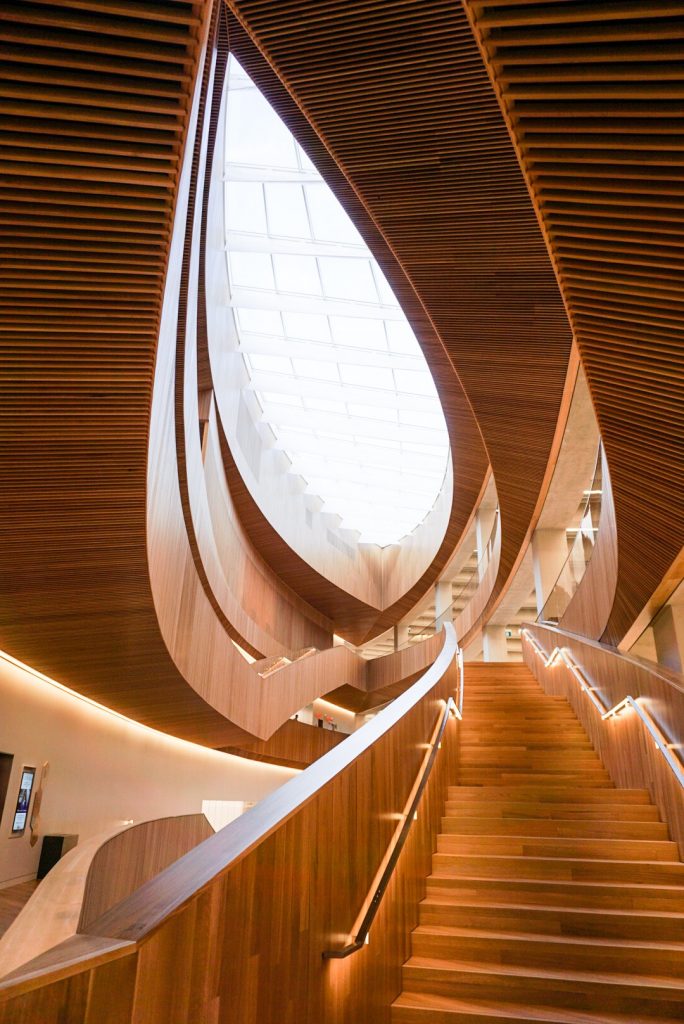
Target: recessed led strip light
562, 654
186, 746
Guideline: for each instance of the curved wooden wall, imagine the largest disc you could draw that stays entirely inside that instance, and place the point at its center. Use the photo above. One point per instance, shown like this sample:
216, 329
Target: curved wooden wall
591, 604
205, 940
91, 878
624, 746
294, 745
592, 95
401, 102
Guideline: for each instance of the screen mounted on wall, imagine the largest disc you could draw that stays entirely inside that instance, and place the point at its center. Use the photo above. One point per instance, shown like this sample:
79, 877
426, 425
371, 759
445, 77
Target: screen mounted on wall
23, 800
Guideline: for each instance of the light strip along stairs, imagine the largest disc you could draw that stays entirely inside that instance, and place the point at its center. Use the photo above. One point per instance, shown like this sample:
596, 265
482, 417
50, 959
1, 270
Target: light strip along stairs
554, 896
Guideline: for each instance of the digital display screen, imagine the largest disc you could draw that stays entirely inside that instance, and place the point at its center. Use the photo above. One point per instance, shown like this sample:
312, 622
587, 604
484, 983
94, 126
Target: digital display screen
23, 800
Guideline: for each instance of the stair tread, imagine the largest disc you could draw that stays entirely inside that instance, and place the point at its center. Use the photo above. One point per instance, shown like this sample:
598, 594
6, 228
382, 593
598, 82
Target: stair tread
500, 905
562, 940
545, 973
674, 890
516, 1011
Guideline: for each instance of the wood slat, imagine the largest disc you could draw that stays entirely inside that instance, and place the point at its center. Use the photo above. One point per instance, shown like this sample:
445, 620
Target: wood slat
592, 96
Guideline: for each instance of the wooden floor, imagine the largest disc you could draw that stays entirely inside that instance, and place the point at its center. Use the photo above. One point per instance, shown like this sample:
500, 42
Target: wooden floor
554, 896
12, 901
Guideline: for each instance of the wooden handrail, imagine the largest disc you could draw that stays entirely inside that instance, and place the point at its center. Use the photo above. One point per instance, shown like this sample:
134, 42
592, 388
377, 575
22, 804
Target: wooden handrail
400, 837
662, 744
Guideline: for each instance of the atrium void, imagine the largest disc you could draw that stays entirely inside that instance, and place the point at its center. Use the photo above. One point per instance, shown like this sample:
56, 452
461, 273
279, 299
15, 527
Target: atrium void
333, 362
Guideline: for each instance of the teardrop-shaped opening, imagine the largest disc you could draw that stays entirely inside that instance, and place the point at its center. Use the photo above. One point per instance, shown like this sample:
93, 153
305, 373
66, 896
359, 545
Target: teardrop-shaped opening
338, 374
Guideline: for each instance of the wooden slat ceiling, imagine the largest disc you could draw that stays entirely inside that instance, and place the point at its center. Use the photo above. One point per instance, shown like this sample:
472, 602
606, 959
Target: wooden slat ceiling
95, 100
594, 93
399, 95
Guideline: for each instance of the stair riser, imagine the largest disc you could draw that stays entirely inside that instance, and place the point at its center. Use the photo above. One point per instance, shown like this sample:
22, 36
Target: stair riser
647, 830
540, 921
543, 760
563, 869
573, 994
544, 794
511, 810
485, 776
566, 955
422, 1015
548, 846
606, 897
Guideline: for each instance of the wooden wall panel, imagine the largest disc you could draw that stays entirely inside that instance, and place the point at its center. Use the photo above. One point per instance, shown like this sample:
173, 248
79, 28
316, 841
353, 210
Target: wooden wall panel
592, 602
237, 927
294, 744
92, 877
592, 94
622, 743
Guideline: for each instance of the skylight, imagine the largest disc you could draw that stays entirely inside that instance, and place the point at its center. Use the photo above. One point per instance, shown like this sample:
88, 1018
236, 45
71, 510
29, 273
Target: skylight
334, 364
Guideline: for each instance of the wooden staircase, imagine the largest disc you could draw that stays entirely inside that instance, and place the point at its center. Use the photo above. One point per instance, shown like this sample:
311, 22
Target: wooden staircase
555, 897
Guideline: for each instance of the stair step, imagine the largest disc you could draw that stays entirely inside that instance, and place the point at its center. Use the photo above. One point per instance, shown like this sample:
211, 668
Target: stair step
458, 912
596, 778
499, 826
540, 739
577, 990
552, 846
587, 953
562, 793
558, 759
423, 1008
544, 892
574, 869
511, 810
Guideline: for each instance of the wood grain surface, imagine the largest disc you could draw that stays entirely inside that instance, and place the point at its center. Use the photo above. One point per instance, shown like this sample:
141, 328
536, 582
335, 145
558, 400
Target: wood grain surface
592, 96
238, 925
624, 746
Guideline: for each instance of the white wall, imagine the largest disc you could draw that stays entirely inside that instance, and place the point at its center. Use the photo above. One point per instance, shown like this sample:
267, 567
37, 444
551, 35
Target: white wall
104, 770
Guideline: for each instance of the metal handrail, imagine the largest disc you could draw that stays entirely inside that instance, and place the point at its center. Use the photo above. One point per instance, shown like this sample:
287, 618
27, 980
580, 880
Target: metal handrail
408, 816
661, 742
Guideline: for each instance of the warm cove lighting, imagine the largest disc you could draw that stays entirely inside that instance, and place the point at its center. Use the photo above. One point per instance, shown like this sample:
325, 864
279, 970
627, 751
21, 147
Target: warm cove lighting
337, 372
186, 746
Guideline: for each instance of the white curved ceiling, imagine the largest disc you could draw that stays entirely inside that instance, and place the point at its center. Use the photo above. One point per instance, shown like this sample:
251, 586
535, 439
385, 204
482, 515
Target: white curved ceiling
337, 371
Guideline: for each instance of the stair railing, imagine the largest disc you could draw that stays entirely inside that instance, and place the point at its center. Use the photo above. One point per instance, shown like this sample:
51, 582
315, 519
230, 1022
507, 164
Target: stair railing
662, 744
364, 920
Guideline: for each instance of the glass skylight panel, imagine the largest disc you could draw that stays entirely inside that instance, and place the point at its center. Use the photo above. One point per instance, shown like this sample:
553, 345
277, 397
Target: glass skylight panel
333, 363
270, 364
315, 369
368, 376
307, 326
259, 321
246, 201
251, 270
297, 274
345, 277
328, 220
287, 213
359, 332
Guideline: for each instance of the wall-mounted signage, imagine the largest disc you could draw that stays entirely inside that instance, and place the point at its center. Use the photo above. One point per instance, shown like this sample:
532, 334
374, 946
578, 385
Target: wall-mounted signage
23, 800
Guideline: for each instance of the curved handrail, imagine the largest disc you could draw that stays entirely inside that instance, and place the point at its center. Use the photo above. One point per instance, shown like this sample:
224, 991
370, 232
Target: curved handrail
662, 743
136, 919
83, 882
576, 555
408, 816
